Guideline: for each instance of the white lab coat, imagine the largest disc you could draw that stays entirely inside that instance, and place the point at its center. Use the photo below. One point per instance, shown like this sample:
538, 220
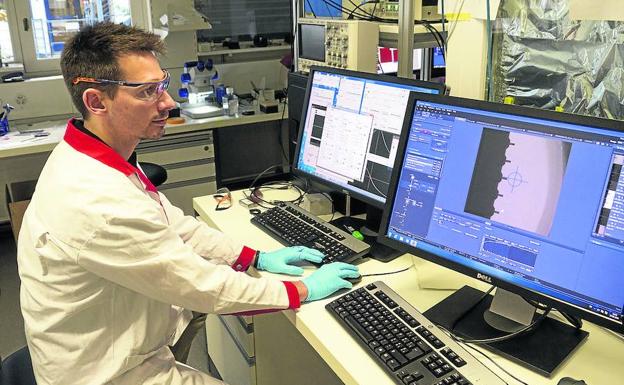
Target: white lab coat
107, 270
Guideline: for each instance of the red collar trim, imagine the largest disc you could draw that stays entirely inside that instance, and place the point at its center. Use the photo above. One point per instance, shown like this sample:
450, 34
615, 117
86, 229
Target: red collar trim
99, 151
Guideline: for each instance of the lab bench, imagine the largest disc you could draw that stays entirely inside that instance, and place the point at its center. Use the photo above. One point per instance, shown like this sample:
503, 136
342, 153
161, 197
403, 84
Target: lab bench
307, 346
189, 152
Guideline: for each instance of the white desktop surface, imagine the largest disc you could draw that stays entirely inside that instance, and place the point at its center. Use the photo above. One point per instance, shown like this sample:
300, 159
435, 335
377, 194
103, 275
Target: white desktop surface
598, 361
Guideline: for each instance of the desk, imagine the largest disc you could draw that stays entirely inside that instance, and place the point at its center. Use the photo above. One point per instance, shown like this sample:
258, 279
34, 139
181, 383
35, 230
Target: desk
599, 361
186, 151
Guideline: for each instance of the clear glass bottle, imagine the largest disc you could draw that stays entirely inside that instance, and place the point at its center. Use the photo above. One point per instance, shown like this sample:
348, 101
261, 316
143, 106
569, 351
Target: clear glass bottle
232, 102
225, 105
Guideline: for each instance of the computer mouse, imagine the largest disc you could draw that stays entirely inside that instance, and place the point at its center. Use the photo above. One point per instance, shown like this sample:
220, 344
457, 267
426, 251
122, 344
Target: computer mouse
355, 280
570, 381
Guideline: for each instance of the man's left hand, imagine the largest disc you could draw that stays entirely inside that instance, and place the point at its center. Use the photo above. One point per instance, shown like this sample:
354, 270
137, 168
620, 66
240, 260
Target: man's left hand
279, 261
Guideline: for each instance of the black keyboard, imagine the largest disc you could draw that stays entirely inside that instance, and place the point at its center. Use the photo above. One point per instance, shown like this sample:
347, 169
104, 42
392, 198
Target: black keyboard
405, 343
294, 226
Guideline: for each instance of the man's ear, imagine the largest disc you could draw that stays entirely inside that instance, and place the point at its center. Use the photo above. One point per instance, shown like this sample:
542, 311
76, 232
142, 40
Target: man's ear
94, 101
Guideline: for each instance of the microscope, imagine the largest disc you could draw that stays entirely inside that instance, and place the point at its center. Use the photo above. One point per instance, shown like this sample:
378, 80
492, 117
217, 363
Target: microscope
198, 88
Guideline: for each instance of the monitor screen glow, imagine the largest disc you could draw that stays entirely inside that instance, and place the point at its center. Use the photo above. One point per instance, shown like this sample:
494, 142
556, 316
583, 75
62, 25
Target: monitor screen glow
534, 203
351, 130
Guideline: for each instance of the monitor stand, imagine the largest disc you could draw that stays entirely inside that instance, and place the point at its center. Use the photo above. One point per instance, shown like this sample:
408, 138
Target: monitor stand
369, 228
542, 349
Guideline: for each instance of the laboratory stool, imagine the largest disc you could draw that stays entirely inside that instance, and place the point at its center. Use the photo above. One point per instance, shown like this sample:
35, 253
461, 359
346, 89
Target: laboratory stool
17, 369
155, 173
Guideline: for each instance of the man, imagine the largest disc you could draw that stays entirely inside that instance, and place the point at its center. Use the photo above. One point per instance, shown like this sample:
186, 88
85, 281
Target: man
108, 265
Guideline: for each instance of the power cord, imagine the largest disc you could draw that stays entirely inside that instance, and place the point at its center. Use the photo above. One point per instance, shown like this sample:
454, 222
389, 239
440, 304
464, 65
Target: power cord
413, 265
471, 308
506, 337
488, 358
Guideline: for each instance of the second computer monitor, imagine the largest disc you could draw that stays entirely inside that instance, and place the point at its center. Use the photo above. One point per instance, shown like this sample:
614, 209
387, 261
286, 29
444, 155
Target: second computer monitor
350, 128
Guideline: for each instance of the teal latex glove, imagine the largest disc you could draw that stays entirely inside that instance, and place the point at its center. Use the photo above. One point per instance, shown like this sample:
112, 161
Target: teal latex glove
328, 279
280, 261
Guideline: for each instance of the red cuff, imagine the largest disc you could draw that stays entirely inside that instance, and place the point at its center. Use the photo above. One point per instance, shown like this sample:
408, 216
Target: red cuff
293, 295
245, 259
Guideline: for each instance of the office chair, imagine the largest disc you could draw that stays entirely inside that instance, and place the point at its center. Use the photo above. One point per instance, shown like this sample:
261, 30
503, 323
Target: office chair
155, 173
17, 369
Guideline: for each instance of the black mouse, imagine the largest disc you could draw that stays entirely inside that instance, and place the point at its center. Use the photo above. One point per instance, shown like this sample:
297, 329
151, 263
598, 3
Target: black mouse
570, 381
355, 280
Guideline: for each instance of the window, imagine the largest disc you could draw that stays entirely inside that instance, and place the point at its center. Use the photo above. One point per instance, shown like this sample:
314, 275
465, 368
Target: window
6, 48
243, 19
53, 22
45, 26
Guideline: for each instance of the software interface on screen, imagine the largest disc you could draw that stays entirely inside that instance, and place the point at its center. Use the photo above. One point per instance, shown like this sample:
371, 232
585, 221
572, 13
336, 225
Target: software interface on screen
351, 131
537, 203
438, 58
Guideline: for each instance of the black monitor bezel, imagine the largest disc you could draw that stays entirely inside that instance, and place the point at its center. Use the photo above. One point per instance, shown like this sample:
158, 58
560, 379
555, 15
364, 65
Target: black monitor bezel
471, 272
304, 112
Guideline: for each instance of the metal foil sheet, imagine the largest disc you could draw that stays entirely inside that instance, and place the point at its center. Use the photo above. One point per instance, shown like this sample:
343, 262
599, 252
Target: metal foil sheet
543, 59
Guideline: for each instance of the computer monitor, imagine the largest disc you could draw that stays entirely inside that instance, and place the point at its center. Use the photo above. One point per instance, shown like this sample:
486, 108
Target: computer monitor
524, 199
350, 127
438, 58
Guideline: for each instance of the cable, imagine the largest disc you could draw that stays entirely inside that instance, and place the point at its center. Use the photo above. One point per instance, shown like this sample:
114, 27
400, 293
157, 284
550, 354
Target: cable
413, 265
492, 361
443, 17
361, 5
488, 23
509, 336
471, 308
331, 201
279, 131
328, 10
340, 8
458, 15
574, 321
311, 9
388, 273
275, 185
251, 187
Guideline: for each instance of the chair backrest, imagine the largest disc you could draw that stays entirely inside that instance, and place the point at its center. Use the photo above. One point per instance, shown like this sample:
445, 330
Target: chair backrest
17, 369
155, 173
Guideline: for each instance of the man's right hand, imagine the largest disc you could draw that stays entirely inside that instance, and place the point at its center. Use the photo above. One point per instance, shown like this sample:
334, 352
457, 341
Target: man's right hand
329, 279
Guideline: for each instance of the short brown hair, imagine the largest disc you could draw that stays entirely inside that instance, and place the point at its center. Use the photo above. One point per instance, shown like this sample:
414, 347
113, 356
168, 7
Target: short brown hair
94, 52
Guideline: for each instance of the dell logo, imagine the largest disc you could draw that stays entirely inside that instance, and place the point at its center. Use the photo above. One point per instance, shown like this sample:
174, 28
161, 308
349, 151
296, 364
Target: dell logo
484, 277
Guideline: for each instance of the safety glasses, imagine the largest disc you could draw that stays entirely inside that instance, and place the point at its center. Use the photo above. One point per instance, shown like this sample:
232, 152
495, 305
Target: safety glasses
146, 91
223, 198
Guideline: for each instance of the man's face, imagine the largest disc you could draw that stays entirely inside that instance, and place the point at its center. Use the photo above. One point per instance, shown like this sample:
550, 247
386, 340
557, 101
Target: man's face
132, 117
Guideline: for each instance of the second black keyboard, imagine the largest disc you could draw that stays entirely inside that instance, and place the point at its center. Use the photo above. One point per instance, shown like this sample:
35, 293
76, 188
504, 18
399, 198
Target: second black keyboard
402, 341
293, 226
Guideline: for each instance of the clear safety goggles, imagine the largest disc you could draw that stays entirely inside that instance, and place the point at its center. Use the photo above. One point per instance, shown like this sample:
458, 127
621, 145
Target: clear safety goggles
147, 91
